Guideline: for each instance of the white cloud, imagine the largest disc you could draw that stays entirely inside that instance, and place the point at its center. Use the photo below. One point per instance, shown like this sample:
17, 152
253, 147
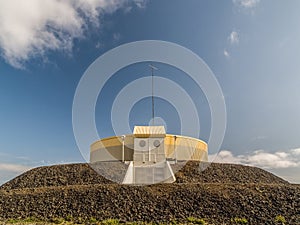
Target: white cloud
246, 3
11, 170
271, 160
226, 53
128, 9
16, 168
224, 156
141, 3
296, 151
99, 45
116, 36
32, 27
234, 37
261, 158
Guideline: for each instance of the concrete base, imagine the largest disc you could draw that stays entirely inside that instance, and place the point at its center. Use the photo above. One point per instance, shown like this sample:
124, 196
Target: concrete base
149, 173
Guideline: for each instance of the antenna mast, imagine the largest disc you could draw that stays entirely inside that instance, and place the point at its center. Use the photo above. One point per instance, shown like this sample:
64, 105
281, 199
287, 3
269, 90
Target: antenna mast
152, 76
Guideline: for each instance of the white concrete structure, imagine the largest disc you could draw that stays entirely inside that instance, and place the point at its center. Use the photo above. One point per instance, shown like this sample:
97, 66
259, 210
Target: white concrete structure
148, 153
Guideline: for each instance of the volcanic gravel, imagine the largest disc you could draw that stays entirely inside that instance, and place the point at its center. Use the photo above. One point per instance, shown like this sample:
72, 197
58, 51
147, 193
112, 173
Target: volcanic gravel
82, 174
218, 194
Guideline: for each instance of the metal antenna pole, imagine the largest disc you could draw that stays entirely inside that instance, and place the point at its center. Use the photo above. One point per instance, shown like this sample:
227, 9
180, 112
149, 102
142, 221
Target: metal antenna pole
152, 96
152, 75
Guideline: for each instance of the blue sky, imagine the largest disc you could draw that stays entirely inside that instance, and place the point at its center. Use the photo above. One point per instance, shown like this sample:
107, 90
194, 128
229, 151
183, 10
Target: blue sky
252, 47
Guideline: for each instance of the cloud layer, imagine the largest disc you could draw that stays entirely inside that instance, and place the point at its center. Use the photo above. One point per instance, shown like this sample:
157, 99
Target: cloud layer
10, 170
226, 53
32, 27
16, 168
246, 3
234, 37
261, 158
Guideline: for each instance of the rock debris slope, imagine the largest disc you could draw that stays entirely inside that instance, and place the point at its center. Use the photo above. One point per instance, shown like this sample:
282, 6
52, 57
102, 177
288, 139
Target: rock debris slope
217, 194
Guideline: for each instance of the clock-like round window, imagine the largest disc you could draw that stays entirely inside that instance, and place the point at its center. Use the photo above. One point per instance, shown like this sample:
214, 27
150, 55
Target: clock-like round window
142, 143
156, 143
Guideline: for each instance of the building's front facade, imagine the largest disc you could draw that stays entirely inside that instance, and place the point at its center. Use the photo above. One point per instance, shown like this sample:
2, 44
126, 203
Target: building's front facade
148, 152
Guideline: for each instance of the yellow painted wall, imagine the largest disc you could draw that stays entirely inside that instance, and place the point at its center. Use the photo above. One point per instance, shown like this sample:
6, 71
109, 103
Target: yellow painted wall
181, 148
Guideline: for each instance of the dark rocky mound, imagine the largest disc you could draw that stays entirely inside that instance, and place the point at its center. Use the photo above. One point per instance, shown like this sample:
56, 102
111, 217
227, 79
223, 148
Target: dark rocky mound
199, 172
83, 174
57, 175
217, 203
218, 194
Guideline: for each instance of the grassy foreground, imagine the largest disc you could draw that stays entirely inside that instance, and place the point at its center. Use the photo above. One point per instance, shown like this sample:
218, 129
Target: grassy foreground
92, 221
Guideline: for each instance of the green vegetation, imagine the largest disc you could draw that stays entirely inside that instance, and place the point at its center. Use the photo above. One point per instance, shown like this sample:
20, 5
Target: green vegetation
110, 222
93, 220
238, 220
13, 221
57, 220
280, 219
194, 220
27, 220
69, 220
